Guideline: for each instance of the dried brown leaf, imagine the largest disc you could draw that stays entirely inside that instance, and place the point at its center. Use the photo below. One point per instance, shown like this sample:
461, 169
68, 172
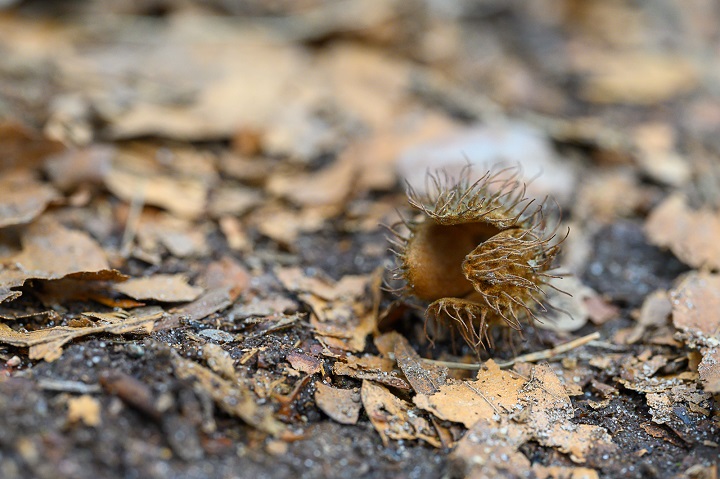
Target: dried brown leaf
373, 368
161, 287
23, 198
690, 234
47, 343
305, 363
425, 378
227, 273
342, 405
184, 197
233, 397
204, 306
85, 409
539, 403
394, 418
342, 314
695, 309
51, 251
494, 392
330, 186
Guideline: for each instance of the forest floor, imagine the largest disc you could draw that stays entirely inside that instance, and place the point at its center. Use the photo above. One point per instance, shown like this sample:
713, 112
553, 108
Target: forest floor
192, 255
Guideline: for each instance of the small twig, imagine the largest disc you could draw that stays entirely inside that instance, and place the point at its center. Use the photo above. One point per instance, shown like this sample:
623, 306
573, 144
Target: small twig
525, 358
133, 220
61, 385
476, 391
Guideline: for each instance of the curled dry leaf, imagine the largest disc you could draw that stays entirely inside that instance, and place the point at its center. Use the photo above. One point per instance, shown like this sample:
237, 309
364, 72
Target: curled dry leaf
180, 237
692, 235
342, 405
227, 273
374, 368
51, 251
161, 287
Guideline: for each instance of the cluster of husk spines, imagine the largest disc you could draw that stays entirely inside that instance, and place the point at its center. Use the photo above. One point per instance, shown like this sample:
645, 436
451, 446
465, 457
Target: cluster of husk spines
501, 268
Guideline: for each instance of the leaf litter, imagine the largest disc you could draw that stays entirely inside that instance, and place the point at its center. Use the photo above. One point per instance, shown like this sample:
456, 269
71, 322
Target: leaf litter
178, 162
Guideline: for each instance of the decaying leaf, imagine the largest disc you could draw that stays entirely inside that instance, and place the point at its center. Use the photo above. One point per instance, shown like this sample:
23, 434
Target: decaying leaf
205, 305
540, 403
182, 238
690, 234
696, 313
47, 343
226, 273
184, 197
23, 198
341, 313
85, 409
494, 392
51, 251
424, 378
342, 405
331, 186
373, 368
168, 288
233, 397
394, 418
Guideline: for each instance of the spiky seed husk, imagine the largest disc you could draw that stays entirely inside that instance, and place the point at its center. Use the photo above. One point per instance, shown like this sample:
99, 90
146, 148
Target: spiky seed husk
480, 253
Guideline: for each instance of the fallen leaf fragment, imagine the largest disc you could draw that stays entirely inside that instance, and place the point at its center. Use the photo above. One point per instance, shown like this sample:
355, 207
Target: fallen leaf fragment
494, 392
182, 238
23, 198
342, 314
425, 378
219, 361
85, 409
635, 77
374, 368
170, 288
51, 251
207, 304
696, 313
690, 234
184, 197
394, 418
342, 405
490, 450
47, 343
540, 403
227, 273
305, 363
233, 397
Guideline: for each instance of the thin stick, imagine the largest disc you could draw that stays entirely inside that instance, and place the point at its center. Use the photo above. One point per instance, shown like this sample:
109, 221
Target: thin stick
525, 358
133, 219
